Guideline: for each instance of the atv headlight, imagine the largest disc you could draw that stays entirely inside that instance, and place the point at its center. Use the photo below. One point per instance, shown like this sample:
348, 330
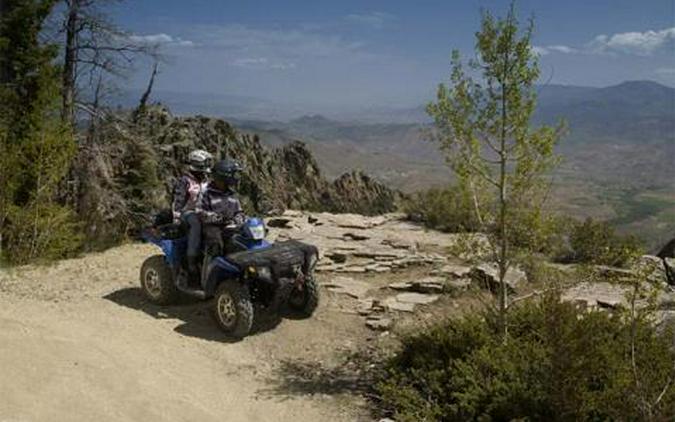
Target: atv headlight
257, 232
264, 272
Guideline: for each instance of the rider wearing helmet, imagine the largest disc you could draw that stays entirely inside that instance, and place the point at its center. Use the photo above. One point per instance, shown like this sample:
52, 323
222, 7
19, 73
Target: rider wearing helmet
187, 196
220, 205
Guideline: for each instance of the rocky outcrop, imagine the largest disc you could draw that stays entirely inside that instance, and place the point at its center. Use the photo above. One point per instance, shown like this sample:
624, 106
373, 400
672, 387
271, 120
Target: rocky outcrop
129, 173
288, 177
668, 250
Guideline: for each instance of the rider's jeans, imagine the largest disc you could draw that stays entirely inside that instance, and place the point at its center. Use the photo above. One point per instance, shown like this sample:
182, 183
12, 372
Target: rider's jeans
194, 232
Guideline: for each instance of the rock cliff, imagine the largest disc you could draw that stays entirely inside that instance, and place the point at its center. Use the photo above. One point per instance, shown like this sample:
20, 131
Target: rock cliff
128, 174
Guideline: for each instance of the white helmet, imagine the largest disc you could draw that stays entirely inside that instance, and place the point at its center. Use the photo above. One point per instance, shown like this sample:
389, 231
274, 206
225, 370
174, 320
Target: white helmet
200, 161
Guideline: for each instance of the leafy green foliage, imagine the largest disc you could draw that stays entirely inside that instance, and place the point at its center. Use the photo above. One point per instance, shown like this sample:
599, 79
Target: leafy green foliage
448, 209
559, 364
596, 242
36, 149
482, 124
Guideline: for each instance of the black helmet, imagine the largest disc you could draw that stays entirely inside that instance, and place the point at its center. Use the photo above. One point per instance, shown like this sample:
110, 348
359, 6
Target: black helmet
228, 172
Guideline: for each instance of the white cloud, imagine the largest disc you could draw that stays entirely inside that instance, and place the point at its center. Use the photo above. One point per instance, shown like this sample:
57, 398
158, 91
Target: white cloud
375, 20
250, 62
283, 66
632, 43
544, 50
540, 51
161, 39
562, 49
261, 63
638, 43
276, 48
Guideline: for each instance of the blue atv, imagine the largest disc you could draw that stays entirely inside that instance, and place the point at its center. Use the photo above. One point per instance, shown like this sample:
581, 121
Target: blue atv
240, 268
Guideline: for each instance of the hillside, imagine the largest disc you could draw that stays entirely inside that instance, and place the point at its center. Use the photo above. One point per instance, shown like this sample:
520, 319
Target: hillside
124, 180
618, 152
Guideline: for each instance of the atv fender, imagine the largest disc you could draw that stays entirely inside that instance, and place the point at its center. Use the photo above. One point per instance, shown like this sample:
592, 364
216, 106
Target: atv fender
218, 270
173, 249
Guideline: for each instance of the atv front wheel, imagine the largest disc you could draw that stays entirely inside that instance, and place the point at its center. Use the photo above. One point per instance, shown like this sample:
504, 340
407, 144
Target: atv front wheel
157, 281
232, 309
305, 300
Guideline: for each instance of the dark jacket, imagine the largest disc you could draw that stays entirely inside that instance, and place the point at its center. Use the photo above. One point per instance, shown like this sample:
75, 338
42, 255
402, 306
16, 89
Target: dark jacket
221, 207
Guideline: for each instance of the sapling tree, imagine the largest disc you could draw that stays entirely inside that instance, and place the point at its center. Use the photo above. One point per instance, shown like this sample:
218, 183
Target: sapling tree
482, 123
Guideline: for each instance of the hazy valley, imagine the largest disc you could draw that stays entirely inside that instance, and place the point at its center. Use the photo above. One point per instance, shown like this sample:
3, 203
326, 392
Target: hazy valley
618, 155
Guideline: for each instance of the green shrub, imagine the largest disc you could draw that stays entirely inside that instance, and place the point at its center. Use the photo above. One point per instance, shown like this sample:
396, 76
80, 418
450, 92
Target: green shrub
447, 209
536, 231
597, 243
558, 364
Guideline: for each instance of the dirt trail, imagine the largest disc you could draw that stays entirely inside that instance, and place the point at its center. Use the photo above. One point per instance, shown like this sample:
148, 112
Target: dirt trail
79, 343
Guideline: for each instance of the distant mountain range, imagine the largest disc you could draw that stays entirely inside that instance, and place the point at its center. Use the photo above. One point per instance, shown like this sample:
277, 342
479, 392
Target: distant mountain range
619, 154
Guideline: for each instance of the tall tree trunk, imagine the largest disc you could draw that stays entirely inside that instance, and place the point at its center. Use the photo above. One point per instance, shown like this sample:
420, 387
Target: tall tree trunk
503, 264
146, 95
5, 66
69, 65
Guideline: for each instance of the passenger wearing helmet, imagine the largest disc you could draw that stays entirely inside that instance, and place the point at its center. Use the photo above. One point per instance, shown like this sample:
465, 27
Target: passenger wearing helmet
220, 205
187, 196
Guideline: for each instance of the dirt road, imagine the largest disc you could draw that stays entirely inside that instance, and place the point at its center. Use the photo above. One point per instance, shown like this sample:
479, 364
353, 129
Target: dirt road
79, 343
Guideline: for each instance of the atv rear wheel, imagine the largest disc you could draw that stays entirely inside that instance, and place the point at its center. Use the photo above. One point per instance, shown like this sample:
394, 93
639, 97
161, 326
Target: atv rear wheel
157, 281
305, 300
232, 309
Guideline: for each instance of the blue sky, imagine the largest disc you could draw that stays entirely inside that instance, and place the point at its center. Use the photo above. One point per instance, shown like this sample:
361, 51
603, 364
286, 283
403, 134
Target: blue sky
351, 53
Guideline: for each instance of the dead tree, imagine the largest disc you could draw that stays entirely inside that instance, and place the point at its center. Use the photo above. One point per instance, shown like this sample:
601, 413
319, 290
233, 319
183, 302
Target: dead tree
146, 94
95, 50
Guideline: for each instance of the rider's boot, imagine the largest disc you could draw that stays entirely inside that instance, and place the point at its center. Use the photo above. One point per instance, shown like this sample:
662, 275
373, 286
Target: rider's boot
193, 270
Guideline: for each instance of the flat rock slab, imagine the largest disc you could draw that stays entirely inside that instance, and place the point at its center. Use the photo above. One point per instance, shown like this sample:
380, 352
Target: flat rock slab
394, 305
600, 294
356, 237
416, 298
429, 285
399, 244
425, 285
348, 286
402, 285
451, 270
614, 272
379, 323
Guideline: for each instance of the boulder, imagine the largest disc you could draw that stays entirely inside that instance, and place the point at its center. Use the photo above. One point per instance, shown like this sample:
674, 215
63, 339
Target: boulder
669, 264
655, 269
487, 276
279, 222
